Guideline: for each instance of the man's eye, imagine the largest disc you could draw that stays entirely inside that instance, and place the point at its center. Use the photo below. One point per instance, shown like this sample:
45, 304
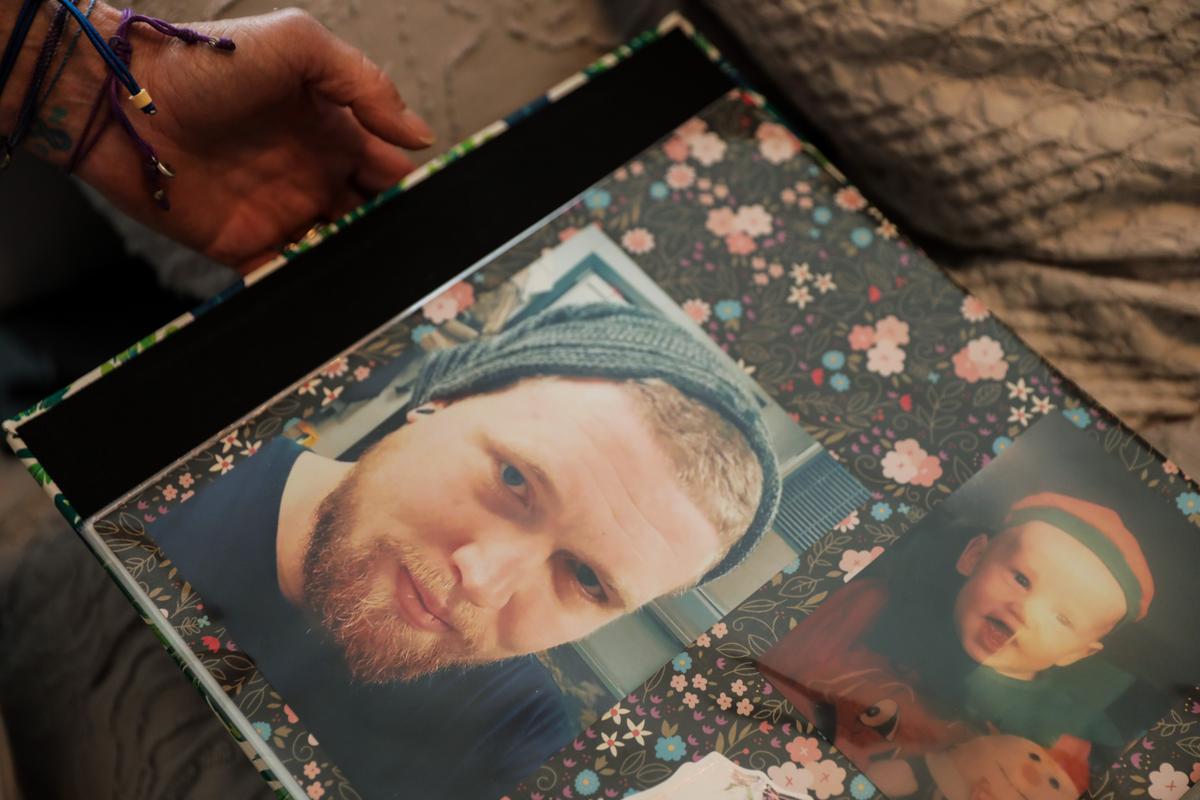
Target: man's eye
588, 581
515, 482
1021, 579
512, 476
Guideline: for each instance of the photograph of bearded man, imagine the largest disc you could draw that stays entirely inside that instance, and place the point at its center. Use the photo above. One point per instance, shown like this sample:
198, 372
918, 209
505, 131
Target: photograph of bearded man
547, 480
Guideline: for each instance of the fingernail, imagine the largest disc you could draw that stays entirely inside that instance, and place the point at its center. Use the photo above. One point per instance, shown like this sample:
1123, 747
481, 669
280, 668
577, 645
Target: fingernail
417, 126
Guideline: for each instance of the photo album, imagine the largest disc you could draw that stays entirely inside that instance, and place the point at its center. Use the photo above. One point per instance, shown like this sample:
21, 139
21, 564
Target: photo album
707, 485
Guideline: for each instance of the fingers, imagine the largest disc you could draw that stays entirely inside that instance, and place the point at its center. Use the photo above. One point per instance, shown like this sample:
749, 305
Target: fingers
344, 75
381, 167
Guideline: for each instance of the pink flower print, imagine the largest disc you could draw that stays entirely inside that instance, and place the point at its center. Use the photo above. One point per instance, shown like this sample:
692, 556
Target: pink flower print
721, 190
679, 683
169, 493
707, 148
690, 700
336, 368
361, 373
724, 701
778, 150
315, 791
980, 359
1170, 467
676, 148
222, 464
450, 303
775, 270
311, 770
855, 561
771, 130
850, 199
891, 329
973, 309
738, 687
761, 279
804, 750
909, 463
887, 230
719, 630
1167, 783
566, 233
744, 707
753, 220
693, 127
828, 779
928, 472
699, 682
776, 143
703, 641
795, 780
740, 244
861, 337
680, 176
186, 480
637, 168
698, 310
848, 523
720, 221
885, 358
788, 196
638, 241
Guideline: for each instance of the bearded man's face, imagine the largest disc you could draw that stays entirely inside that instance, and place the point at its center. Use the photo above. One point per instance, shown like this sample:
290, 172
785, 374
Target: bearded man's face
499, 525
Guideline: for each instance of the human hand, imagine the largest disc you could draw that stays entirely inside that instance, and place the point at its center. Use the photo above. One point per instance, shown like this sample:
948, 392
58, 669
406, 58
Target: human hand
294, 127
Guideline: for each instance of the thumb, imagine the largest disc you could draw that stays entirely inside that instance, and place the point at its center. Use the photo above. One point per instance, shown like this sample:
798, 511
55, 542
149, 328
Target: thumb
342, 74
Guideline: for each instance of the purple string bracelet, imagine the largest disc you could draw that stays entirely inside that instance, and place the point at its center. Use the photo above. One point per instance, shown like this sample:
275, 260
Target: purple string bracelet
152, 167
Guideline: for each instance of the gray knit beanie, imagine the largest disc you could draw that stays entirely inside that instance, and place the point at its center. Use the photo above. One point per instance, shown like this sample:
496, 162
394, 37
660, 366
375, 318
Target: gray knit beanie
614, 341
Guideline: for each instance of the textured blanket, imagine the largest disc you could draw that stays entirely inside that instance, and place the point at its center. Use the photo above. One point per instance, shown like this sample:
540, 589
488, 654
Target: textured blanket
1051, 146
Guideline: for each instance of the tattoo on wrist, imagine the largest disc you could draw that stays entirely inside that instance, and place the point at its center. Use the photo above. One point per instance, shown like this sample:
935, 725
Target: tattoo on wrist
48, 133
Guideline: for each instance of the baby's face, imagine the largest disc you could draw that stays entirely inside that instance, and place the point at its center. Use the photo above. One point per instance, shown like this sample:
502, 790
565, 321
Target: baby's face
1011, 768
1035, 598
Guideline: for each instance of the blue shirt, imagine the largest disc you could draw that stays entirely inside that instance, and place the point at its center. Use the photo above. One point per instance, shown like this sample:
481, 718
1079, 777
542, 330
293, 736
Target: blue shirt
459, 733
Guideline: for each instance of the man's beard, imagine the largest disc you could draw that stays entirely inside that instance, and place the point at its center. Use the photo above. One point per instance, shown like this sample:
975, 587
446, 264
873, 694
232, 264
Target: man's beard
340, 588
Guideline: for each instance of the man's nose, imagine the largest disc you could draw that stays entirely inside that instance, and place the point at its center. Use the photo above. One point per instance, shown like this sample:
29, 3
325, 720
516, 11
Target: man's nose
494, 566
